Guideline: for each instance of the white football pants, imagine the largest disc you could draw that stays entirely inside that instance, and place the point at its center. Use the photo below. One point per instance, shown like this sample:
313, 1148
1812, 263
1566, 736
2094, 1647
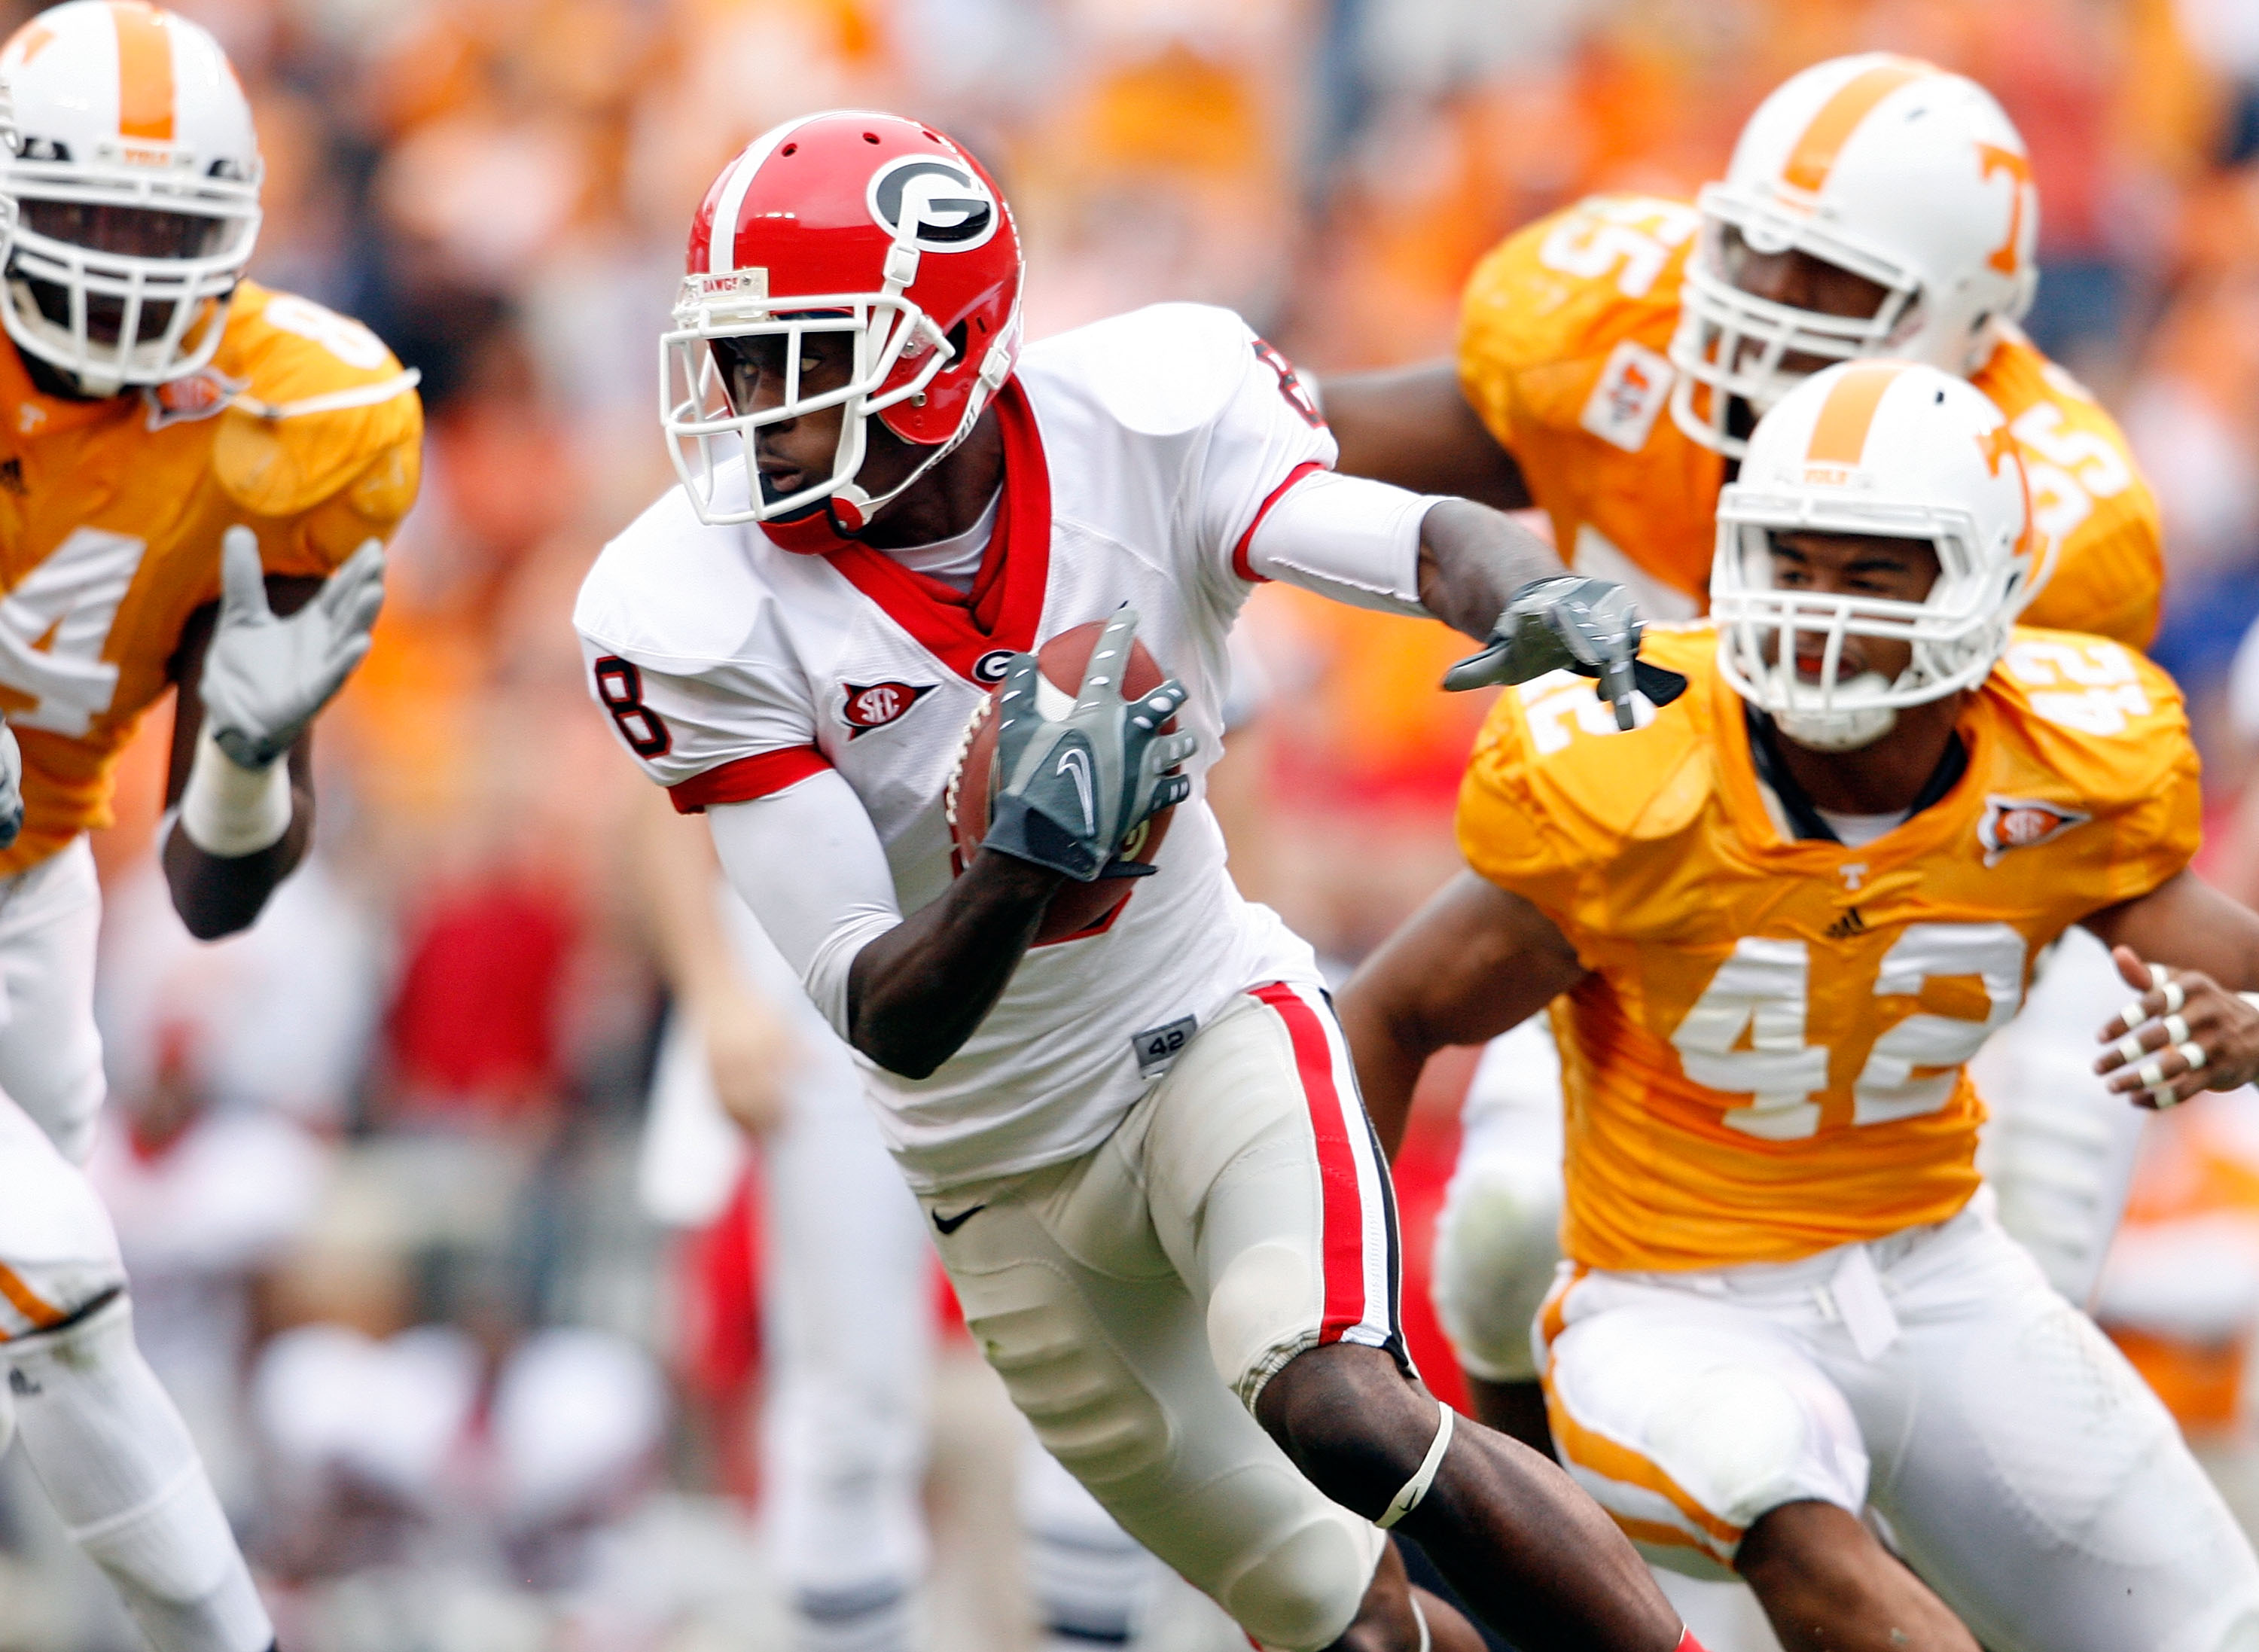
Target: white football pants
1935, 1376
848, 1287
107, 1442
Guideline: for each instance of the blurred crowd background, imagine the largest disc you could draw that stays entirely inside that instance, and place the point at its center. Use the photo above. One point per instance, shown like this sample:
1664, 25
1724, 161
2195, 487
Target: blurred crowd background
373, 1162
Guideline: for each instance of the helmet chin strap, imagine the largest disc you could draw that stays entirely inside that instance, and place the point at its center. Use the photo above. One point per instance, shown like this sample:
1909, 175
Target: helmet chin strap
849, 510
1834, 730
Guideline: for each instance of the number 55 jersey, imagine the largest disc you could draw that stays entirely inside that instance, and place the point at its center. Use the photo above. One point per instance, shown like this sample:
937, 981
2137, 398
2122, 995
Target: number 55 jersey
1564, 339
303, 427
1767, 1058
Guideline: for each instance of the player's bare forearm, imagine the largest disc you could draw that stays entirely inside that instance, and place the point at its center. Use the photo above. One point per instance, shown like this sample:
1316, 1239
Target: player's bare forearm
1412, 427
1473, 962
919, 991
2186, 922
1472, 560
217, 895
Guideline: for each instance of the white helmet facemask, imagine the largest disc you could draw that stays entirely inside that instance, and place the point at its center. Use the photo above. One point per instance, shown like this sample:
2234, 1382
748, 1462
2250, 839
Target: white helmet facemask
1919, 456
1881, 167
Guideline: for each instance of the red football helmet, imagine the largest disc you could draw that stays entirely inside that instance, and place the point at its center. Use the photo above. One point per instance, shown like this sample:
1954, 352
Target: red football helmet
847, 223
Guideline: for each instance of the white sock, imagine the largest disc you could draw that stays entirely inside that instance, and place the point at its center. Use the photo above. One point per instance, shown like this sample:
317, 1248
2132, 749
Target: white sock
120, 1468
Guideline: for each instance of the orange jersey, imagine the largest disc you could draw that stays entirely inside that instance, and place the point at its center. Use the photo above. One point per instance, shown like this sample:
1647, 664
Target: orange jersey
1563, 339
1766, 1059
303, 428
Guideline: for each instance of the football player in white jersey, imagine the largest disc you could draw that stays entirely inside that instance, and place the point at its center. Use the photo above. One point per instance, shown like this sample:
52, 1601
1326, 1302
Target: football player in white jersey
1140, 1147
847, 1290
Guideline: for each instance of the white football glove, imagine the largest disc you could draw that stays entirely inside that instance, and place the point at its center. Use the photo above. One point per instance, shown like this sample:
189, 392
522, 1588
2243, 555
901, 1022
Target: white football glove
12, 786
264, 678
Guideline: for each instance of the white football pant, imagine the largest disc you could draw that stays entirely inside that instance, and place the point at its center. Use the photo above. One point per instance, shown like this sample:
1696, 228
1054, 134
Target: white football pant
1137, 1299
1933, 1377
107, 1442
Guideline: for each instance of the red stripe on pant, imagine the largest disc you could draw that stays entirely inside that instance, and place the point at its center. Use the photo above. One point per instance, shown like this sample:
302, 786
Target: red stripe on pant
1688, 1643
1343, 1209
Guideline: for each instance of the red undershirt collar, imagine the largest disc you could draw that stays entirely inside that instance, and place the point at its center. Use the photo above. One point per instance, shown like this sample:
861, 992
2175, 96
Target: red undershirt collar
1006, 602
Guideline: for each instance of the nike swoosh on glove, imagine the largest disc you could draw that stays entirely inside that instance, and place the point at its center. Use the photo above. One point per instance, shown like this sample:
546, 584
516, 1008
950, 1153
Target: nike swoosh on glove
1073, 788
1568, 623
264, 678
12, 788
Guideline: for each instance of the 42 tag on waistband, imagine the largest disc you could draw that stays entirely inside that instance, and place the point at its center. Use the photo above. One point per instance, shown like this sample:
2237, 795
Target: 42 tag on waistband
1156, 1047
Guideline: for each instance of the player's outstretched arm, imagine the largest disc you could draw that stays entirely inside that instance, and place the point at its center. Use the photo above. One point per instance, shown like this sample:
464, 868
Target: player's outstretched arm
1412, 427
253, 670
2190, 953
1473, 962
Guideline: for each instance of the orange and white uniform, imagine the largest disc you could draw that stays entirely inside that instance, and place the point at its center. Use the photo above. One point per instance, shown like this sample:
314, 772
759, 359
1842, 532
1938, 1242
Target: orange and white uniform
1777, 1252
1564, 351
303, 427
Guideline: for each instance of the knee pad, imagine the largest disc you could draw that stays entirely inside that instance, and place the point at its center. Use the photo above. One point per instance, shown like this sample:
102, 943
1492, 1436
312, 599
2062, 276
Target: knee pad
1657, 1416
1304, 1592
1258, 1316
1085, 1403
1497, 1247
1736, 1437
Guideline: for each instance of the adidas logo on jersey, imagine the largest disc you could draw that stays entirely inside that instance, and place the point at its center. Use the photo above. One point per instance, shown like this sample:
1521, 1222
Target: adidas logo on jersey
874, 705
1846, 926
2022, 822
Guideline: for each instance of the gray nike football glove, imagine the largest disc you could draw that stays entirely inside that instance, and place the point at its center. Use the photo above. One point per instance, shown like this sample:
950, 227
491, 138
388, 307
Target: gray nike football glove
12, 786
264, 678
1069, 789
1568, 623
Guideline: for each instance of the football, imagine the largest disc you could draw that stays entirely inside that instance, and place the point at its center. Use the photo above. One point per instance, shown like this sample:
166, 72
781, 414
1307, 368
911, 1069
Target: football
1078, 908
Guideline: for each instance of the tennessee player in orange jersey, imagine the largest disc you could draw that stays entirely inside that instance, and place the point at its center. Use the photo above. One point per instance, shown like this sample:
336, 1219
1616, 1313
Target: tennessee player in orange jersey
1775, 920
183, 454
1613, 356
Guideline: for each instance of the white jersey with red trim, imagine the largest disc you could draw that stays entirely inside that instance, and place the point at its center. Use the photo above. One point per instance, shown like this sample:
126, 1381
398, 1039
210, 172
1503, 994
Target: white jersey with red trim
1140, 455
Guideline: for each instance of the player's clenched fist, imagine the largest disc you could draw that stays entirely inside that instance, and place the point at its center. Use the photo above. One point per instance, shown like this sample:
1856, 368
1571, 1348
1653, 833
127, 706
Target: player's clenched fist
265, 677
1568, 623
1070, 788
2185, 1033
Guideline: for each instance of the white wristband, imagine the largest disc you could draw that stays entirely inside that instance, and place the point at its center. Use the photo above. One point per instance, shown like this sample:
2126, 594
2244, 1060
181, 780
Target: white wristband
230, 811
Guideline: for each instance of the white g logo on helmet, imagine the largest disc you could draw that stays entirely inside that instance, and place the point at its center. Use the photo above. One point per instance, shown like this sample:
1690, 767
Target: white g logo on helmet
932, 204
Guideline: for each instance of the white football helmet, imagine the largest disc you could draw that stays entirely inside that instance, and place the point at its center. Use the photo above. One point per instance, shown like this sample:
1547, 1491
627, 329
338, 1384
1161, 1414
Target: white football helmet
1882, 166
129, 192
1891, 448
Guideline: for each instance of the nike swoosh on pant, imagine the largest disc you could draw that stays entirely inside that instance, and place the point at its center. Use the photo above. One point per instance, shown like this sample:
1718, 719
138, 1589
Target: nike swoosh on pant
951, 1224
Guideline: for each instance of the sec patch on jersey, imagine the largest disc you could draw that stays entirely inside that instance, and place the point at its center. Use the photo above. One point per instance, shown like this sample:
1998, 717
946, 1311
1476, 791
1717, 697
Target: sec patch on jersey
1078, 909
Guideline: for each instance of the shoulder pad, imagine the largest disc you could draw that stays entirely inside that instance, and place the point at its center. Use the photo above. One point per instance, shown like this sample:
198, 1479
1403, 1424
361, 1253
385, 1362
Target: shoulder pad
1552, 769
1574, 285
318, 402
1160, 371
2094, 713
671, 591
